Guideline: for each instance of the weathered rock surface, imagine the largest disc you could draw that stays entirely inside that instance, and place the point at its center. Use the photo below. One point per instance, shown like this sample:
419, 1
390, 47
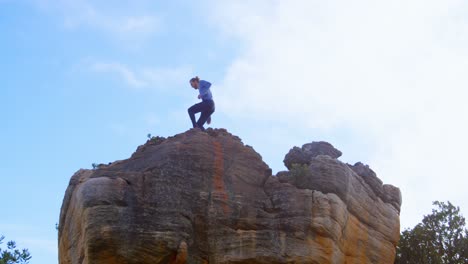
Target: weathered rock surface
206, 198
309, 151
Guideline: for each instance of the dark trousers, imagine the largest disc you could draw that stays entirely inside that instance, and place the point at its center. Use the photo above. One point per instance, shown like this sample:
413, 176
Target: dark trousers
206, 108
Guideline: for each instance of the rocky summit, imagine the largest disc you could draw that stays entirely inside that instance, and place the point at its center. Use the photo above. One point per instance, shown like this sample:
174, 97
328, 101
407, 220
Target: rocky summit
205, 197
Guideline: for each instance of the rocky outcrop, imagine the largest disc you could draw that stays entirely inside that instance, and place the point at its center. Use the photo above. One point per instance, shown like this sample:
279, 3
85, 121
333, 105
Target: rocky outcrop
205, 197
309, 151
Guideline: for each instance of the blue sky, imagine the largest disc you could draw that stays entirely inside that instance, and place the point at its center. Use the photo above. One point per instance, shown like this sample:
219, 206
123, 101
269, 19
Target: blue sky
84, 82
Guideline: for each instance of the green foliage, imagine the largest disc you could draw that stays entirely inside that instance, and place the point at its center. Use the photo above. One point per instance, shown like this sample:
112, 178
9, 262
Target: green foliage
100, 165
441, 238
299, 174
156, 139
12, 255
299, 170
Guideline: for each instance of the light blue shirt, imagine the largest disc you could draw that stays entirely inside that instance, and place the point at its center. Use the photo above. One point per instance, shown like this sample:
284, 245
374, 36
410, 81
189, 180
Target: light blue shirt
204, 89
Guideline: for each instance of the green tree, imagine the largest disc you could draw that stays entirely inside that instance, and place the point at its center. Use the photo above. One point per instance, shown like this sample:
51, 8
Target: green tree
441, 238
12, 255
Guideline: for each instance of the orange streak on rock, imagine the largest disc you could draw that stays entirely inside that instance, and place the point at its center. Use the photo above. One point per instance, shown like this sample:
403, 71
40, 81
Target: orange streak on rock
218, 177
358, 242
181, 257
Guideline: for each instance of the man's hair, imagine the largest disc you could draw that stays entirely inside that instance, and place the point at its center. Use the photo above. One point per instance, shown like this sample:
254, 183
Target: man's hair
195, 79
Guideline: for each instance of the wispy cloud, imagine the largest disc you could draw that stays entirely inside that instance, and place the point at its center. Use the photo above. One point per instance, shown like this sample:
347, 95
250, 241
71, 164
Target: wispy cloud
394, 72
122, 71
146, 77
164, 77
125, 25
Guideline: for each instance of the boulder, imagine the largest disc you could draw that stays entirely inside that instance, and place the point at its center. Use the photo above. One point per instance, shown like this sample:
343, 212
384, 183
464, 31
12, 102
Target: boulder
308, 151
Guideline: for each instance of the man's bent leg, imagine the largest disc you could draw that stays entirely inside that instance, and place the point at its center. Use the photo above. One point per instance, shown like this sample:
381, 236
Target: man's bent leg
203, 117
196, 108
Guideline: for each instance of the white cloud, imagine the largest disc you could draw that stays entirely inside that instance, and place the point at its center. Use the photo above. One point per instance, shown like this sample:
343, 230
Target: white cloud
124, 25
144, 24
393, 71
146, 77
167, 77
122, 70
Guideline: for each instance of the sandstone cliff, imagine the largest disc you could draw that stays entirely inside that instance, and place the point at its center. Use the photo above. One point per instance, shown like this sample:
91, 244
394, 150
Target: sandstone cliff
205, 197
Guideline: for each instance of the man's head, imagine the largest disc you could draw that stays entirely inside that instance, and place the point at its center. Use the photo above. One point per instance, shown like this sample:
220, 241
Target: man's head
194, 82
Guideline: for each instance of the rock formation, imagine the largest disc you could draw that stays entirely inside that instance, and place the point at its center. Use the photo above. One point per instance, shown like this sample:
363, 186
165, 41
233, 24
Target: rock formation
205, 197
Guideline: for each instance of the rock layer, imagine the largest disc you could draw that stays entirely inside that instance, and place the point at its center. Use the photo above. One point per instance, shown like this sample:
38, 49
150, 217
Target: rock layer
205, 197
